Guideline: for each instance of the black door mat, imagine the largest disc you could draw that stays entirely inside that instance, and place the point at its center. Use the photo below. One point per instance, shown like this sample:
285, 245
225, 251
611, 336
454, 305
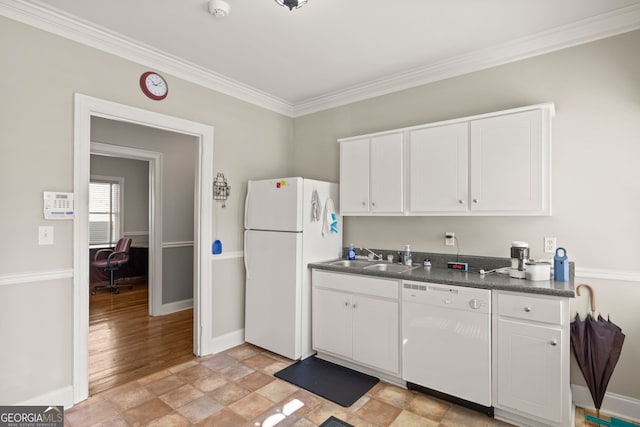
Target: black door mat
334, 422
336, 383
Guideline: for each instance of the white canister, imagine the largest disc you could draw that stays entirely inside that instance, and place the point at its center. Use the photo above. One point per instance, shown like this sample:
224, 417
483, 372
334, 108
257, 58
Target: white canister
537, 270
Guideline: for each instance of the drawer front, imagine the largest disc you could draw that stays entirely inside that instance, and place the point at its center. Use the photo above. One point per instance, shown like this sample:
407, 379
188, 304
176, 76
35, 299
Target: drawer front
524, 307
353, 283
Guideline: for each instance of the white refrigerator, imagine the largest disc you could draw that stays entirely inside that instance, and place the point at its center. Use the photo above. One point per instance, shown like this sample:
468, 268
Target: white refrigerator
287, 226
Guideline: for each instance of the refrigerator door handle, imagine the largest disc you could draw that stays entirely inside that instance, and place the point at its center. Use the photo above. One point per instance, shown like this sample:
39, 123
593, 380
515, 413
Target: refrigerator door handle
246, 253
246, 205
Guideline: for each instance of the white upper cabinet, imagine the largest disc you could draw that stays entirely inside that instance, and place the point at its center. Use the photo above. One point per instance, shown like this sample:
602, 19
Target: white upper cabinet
386, 173
491, 164
354, 177
509, 164
371, 175
438, 169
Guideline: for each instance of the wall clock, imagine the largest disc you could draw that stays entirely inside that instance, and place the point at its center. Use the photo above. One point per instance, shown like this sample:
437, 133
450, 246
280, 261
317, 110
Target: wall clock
154, 85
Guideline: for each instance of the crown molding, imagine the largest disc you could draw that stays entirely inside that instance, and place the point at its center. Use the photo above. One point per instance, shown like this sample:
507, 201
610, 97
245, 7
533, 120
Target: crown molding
587, 30
72, 28
584, 31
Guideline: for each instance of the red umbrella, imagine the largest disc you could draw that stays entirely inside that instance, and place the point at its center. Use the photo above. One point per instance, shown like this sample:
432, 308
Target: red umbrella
597, 345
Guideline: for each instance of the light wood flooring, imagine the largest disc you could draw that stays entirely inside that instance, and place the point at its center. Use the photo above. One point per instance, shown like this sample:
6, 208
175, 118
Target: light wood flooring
127, 344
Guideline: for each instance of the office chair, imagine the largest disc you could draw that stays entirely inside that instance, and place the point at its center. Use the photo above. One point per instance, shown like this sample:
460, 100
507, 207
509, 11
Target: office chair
115, 259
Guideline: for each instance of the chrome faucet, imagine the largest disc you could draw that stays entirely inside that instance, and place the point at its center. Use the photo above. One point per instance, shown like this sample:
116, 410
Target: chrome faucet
372, 255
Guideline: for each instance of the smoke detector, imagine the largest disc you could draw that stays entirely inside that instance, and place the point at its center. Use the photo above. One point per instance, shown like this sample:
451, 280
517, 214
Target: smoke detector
218, 8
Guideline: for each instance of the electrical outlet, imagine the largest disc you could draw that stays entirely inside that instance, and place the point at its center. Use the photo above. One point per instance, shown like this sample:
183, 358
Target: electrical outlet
449, 238
550, 245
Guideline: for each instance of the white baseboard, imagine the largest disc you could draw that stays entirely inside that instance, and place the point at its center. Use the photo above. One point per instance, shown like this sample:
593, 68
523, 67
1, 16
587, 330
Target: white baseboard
224, 342
62, 396
174, 307
613, 404
390, 378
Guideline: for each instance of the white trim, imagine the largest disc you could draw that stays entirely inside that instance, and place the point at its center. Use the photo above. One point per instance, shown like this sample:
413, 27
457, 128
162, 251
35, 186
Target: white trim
154, 160
612, 404
57, 22
35, 276
227, 341
386, 376
135, 233
85, 107
173, 307
228, 255
62, 396
584, 31
184, 244
605, 274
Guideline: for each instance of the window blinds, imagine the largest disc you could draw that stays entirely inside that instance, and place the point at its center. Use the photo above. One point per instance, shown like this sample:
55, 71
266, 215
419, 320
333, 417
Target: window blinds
104, 212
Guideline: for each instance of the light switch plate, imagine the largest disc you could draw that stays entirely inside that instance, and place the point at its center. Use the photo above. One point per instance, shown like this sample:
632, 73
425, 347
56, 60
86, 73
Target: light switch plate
45, 235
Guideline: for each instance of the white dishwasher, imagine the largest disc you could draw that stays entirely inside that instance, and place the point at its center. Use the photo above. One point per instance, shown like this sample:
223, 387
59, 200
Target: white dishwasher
447, 342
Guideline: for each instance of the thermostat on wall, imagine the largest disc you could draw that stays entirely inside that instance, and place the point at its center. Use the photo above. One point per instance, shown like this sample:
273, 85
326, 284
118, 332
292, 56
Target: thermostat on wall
58, 205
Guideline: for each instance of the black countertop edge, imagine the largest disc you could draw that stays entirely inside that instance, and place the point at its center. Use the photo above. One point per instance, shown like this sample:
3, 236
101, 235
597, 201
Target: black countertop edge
468, 279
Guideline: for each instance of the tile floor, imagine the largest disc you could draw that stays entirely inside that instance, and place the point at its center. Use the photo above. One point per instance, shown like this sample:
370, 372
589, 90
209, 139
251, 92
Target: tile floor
236, 388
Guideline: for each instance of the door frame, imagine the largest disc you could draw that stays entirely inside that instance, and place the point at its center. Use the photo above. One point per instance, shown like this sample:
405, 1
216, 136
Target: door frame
155, 213
86, 107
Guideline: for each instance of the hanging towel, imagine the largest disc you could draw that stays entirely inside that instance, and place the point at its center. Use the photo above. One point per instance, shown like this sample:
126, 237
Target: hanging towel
330, 224
315, 206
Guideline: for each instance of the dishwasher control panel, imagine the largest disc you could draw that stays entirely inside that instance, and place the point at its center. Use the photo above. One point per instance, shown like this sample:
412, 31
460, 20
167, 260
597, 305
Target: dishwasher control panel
454, 297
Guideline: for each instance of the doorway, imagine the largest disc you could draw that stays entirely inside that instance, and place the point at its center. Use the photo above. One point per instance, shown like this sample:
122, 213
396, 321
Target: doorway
155, 218
85, 108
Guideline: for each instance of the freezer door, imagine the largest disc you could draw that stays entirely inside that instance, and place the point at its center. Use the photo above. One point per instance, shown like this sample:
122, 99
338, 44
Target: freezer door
274, 204
273, 291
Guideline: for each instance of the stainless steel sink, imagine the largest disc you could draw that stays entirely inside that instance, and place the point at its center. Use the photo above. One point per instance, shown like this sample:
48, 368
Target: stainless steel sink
350, 263
392, 268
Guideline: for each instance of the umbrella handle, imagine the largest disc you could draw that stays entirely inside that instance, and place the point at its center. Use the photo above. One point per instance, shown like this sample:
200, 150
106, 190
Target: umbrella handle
592, 297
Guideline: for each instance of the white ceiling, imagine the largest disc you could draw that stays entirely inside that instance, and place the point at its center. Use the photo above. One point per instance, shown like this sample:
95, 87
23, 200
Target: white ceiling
341, 50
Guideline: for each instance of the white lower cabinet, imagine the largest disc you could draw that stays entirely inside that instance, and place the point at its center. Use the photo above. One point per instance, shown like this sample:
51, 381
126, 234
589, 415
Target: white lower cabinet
531, 359
357, 318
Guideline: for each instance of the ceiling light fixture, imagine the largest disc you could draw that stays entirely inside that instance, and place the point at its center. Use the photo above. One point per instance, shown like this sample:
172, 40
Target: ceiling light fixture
219, 8
291, 4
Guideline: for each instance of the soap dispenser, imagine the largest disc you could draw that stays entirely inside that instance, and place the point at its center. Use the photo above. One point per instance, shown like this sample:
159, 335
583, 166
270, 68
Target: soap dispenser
351, 253
407, 255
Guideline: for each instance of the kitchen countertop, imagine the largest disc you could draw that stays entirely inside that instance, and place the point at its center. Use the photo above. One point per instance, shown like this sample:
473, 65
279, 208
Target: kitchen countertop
468, 279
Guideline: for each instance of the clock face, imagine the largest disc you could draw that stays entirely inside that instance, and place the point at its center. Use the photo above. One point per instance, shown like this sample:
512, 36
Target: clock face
153, 85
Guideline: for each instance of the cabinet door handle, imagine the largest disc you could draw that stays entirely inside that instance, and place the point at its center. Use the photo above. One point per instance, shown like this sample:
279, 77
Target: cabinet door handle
364, 204
461, 201
475, 200
527, 309
554, 342
346, 303
354, 305
373, 203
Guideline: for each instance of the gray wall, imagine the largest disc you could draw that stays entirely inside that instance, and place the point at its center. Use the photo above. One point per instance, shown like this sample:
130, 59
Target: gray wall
596, 190
41, 73
178, 179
